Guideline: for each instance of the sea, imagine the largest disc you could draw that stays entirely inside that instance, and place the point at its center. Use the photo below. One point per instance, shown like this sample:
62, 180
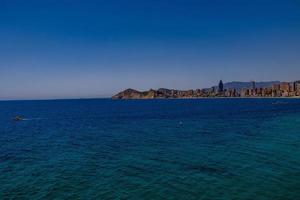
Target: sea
217, 149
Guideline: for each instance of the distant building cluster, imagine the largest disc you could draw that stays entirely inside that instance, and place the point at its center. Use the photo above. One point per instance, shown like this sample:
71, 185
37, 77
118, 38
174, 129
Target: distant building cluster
280, 89
283, 89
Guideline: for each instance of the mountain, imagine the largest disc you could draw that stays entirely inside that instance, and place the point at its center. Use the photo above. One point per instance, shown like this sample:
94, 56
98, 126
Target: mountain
134, 94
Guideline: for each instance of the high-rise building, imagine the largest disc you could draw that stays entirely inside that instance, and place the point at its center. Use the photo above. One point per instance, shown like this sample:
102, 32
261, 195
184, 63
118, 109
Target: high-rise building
244, 92
276, 86
253, 85
293, 87
276, 90
285, 86
297, 87
221, 86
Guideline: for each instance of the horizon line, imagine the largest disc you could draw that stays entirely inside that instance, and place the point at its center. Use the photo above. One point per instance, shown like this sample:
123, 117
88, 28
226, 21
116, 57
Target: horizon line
108, 97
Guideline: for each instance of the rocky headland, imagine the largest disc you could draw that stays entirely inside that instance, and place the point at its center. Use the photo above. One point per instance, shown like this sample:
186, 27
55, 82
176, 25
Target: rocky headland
152, 94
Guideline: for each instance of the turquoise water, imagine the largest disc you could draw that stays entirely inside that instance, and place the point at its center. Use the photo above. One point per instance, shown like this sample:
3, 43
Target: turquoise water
151, 149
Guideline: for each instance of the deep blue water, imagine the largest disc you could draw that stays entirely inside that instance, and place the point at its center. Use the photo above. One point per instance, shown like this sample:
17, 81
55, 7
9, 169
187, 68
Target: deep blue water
150, 149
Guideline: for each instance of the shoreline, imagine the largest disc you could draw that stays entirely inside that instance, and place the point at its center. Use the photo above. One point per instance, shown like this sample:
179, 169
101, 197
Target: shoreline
109, 98
295, 97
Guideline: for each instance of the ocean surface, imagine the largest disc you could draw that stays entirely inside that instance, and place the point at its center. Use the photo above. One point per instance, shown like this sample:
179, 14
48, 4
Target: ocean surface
151, 149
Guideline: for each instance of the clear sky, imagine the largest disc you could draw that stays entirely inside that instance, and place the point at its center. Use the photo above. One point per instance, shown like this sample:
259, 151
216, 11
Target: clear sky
80, 49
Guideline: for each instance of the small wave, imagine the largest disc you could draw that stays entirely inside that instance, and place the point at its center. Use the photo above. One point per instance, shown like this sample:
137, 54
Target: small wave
30, 119
279, 103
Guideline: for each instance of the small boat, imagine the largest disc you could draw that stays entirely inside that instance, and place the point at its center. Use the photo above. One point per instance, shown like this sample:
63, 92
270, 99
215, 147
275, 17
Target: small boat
18, 118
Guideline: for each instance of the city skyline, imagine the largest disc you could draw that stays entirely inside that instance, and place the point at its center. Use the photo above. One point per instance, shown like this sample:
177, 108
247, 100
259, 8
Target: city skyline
231, 89
89, 49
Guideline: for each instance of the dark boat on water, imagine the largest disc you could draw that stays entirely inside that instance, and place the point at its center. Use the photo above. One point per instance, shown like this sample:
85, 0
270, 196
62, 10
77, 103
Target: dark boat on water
18, 118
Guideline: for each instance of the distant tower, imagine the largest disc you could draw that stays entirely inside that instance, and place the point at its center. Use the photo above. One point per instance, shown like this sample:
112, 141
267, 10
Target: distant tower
253, 85
221, 86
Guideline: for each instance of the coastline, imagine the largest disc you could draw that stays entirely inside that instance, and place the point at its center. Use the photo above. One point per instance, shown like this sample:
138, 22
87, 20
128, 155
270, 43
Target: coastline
109, 98
269, 90
295, 97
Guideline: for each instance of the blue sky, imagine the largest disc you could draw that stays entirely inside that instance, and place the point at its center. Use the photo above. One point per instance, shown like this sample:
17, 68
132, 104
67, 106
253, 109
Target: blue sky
80, 49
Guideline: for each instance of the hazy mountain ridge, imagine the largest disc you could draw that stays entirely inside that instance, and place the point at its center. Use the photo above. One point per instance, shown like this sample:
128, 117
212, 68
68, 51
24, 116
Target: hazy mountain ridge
238, 85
